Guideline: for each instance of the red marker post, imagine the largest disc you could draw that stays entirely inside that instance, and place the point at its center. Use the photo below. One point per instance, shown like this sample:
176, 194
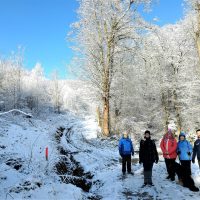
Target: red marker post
46, 153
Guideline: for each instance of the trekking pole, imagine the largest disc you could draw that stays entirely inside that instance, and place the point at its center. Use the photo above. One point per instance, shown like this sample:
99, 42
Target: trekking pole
47, 158
46, 153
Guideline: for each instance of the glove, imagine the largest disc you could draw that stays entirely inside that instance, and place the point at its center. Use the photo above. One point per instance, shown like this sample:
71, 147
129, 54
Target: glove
193, 161
156, 161
133, 154
189, 154
178, 152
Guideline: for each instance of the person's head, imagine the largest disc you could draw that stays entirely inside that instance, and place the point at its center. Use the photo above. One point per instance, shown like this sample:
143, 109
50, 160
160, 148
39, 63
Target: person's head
169, 134
125, 134
169, 131
198, 133
182, 136
147, 134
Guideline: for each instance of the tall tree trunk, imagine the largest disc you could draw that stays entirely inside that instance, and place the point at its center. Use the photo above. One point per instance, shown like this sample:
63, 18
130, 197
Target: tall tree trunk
165, 109
197, 34
108, 67
176, 107
106, 124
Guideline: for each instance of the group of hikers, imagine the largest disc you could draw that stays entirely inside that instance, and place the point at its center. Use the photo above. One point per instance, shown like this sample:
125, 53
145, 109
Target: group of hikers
171, 149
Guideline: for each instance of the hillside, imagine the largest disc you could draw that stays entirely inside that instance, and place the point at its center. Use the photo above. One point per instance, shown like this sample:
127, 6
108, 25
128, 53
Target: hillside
80, 165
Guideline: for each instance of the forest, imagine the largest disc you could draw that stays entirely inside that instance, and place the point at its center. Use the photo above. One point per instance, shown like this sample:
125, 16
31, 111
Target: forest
131, 74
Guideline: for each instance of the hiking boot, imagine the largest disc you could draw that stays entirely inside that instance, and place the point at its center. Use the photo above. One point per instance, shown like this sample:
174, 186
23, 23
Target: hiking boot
124, 173
132, 173
180, 182
151, 184
168, 177
194, 189
144, 185
172, 178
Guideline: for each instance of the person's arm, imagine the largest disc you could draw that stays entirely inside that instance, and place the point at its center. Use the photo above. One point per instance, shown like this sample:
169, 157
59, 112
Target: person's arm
132, 149
173, 147
190, 148
155, 152
162, 145
120, 147
141, 152
178, 151
194, 153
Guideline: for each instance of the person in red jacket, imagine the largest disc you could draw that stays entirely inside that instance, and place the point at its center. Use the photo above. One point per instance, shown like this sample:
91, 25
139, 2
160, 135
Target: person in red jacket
168, 145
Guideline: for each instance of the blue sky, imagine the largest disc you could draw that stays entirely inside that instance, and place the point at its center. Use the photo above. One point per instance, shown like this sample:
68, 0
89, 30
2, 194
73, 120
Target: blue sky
41, 26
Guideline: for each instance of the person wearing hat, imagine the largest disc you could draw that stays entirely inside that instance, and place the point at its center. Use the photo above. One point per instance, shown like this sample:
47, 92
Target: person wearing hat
184, 151
147, 156
168, 146
125, 151
196, 149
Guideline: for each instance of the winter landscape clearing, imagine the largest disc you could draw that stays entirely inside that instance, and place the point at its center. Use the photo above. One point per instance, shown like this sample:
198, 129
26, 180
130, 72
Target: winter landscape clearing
93, 170
81, 80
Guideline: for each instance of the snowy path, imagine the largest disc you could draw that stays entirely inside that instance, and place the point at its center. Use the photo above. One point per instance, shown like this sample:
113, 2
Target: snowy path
25, 174
116, 187
101, 159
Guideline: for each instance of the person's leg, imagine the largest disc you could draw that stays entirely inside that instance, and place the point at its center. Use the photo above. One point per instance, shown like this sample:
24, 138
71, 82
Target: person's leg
145, 177
187, 167
170, 163
172, 169
145, 173
167, 166
178, 172
186, 164
150, 174
199, 163
123, 164
129, 163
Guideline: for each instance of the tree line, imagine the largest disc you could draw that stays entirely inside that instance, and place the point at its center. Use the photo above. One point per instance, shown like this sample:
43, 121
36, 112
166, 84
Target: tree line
144, 75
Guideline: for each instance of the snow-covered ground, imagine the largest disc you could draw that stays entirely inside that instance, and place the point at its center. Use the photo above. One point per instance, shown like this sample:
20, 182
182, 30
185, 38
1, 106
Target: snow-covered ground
25, 173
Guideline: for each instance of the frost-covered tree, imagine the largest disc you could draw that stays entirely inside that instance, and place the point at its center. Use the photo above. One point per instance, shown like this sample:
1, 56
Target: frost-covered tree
36, 89
193, 14
56, 92
104, 33
11, 82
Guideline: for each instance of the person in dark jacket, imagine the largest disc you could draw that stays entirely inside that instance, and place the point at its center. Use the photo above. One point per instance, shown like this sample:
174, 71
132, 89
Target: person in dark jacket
148, 155
125, 151
196, 149
184, 151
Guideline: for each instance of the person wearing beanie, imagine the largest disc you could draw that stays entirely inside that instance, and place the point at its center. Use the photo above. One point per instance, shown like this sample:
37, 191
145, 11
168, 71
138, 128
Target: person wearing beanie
196, 149
125, 151
168, 146
147, 156
184, 151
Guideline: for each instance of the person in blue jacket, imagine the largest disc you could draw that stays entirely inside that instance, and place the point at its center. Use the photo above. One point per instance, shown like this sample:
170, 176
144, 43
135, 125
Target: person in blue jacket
125, 151
196, 149
184, 151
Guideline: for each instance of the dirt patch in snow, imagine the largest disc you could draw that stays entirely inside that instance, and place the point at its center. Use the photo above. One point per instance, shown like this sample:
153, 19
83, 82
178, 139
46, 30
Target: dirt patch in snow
26, 186
68, 169
15, 163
